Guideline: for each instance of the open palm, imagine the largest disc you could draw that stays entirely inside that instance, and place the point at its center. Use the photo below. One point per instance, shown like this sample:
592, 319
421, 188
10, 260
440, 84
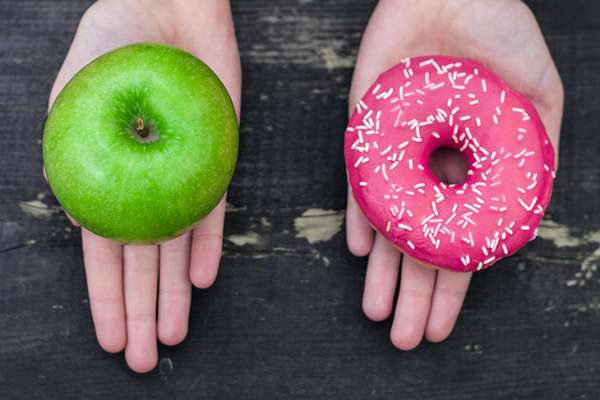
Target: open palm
124, 282
504, 36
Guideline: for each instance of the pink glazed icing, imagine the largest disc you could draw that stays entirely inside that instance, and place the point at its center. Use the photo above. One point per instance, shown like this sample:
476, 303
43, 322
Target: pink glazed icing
429, 102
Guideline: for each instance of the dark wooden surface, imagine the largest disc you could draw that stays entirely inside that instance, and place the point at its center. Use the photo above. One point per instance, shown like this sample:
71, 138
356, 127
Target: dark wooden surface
284, 318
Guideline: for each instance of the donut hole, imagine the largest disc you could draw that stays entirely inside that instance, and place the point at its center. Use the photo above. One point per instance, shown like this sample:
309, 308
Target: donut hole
448, 165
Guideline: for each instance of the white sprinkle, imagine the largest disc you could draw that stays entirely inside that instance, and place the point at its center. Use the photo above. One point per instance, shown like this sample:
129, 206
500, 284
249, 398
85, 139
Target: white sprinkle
386, 150
403, 145
504, 249
426, 219
470, 207
405, 227
525, 205
450, 219
525, 227
502, 97
401, 156
483, 86
362, 183
469, 220
410, 244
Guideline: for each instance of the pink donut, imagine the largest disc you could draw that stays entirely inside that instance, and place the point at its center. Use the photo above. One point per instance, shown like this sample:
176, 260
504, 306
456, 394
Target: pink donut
429, 102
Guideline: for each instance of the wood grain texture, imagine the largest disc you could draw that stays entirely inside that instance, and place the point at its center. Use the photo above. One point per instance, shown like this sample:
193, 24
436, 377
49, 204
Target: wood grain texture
284, 318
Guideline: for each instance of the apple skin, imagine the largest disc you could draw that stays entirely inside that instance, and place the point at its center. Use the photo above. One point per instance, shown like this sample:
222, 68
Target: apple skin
125, 187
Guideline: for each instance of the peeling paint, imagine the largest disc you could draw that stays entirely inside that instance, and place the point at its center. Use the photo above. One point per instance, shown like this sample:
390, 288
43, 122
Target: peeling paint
38, 209
592, 306
588, 269
230, 208
318, 225
301, 40
248, 238
334, 61
474, 348
561, 236
265, 222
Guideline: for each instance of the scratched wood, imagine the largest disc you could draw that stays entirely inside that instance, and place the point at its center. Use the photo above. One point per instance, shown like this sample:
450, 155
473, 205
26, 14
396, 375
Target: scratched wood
284, 318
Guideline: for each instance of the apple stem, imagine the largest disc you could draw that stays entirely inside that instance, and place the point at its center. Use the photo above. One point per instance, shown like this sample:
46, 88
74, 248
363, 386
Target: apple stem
140, 128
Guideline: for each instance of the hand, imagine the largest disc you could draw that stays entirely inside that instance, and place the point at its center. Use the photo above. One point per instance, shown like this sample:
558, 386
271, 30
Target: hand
123, 281
504, 36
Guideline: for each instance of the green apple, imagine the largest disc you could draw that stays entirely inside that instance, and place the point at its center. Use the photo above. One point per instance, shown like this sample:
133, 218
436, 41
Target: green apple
141, 144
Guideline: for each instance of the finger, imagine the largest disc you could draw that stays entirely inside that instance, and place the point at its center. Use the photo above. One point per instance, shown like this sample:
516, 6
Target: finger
215, 20
520, 56
175, 290
412, 308
359, 234
207, 242
141, 283
104, 275
448, 297
381, 279
93, 38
